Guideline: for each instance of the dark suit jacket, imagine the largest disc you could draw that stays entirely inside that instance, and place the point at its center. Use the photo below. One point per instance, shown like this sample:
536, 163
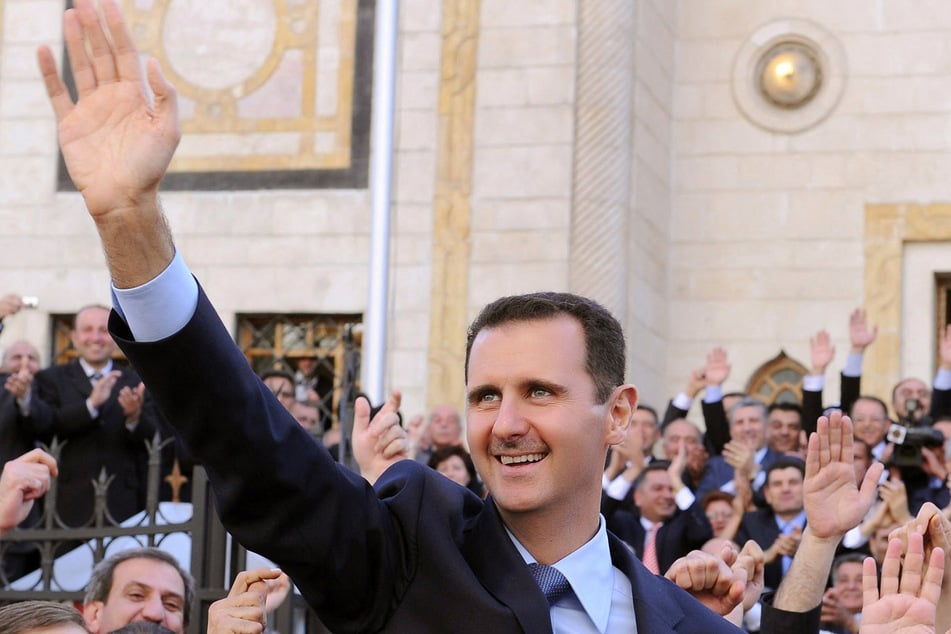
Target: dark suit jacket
714, 418
718, 473
16, 439
417, 553
760, 526
58, 408
812, 401
685, 531
16, 435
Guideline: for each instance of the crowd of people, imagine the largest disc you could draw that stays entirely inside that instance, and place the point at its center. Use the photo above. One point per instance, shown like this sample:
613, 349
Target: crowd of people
578, 510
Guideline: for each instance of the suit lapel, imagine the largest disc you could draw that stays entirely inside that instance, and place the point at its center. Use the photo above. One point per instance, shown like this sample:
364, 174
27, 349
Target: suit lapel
78, 379
654, 609
502, 571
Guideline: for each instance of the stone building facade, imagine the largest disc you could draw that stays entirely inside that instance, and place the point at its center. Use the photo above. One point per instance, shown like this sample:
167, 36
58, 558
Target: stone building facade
607, 147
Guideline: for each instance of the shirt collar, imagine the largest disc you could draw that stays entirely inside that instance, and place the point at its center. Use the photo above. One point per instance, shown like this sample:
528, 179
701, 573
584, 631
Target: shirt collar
760, 454
590, 572
89, 370
799, 520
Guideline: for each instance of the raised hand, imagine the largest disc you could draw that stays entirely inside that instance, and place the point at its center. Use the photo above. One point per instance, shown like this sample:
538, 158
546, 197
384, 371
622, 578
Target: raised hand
244, 610
822, 352
710, 579
859, 334
131, 399
833, 501
718, 368
20, 381
114, 138
24, 480
10, 304
117, 140
381, 442
909, 592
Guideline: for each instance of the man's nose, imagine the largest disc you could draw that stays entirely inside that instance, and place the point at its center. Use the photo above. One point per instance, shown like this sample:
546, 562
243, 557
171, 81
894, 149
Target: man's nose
509, 420
153, 610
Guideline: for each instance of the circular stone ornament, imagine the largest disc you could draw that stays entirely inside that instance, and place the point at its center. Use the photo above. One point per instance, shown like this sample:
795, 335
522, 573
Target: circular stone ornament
789, 75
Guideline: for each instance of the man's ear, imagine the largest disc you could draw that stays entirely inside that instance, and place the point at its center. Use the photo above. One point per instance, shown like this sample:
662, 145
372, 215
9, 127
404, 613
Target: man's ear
620, 411
91, 613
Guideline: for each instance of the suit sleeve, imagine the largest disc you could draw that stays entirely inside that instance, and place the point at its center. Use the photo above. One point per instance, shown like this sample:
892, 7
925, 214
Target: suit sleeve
276, 489
673, 413
811, 410
850, 391
51, 416
776, 621
718, 429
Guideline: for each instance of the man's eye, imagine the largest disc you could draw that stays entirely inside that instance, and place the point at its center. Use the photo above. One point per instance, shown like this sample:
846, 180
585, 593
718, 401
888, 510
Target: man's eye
489, 397
540, 391
173, 606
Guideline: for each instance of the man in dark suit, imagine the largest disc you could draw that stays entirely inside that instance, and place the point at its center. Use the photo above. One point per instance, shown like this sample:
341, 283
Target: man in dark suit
97, 408
778, 527
675, 531
416, 552
747, 420
21, 361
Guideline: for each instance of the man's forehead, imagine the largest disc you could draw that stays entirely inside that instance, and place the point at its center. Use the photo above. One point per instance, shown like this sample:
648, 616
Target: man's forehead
784, 473
149, 572
505, 346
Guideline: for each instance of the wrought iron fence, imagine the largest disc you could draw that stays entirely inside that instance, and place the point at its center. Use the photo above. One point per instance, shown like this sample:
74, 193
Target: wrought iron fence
214, 559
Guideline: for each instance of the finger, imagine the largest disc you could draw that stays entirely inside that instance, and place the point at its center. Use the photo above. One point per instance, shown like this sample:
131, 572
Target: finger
38, 456
934, 576
869, 582
126, 54
103, 65
890, 568
835, 437
165, 99
246, 578
911, 569
83, 74
361, 415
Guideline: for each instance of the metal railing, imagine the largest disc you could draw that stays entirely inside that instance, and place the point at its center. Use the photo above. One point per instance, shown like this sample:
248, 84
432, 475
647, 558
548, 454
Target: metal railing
214, 560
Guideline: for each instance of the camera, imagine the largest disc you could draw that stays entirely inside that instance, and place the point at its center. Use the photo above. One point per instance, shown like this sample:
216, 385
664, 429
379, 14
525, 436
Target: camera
910, 434
30, 301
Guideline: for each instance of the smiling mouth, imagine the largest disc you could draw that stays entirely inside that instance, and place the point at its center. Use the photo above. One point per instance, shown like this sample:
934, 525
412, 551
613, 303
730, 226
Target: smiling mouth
527, 458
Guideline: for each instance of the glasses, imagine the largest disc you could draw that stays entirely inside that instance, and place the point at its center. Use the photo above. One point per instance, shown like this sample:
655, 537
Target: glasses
719, 515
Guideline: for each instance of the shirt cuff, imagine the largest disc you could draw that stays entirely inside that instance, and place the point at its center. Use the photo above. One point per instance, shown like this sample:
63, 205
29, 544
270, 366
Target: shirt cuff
160, 307
618, 488
853, 365
684, 498
813, 383
682, 401
942, 380
713, 393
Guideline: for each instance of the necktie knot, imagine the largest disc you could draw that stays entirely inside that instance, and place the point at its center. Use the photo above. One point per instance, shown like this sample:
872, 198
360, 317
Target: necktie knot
553, 584
95, 377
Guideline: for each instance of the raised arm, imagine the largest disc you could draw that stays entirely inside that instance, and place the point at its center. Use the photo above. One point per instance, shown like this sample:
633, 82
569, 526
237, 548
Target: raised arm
117, 142
834, 504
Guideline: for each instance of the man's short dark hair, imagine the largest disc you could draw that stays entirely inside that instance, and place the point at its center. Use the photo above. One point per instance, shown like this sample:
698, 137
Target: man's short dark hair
26, 616
653, 465
747, 401
874, 399
604, 338
648, 408
785, 406
855, 558
786, 462
284, 374
100, 583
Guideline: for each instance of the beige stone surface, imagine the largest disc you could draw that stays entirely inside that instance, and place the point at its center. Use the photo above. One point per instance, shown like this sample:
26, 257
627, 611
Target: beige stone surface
734, 235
